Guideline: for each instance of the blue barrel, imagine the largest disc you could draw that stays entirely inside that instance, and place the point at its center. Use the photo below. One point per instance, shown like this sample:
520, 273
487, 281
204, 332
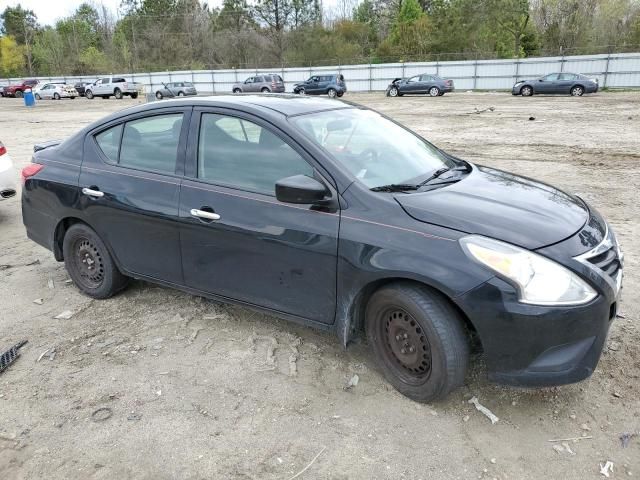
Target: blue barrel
29, 99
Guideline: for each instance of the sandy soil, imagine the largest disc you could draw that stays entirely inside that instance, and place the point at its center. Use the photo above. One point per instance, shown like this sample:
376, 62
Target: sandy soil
191, 389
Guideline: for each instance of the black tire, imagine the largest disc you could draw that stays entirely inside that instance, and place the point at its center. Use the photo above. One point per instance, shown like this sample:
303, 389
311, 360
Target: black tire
301, 91
56, 96
418, 339
72, 98
434, 92
340, 94
237, 90
159, 95
117, 93
181, 94
526, 91
18, 94
134, 95
38, 97
332, 92
265, 90
88, 94
82, 243
577, 91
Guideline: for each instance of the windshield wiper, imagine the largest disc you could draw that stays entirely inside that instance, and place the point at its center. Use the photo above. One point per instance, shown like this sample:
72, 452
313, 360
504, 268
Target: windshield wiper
395, 187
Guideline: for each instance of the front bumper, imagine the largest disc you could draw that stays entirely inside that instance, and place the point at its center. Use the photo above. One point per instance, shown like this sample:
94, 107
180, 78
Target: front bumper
537, 346
516, 89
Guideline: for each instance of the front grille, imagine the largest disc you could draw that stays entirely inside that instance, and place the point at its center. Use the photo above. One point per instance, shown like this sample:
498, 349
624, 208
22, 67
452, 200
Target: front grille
607, 261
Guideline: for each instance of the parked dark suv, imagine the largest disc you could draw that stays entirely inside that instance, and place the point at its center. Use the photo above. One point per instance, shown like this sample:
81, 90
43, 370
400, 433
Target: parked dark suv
332, 85
334, 216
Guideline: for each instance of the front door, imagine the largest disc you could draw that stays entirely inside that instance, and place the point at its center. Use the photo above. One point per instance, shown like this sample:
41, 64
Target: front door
413, 85
238, 241
546, 84
130, 191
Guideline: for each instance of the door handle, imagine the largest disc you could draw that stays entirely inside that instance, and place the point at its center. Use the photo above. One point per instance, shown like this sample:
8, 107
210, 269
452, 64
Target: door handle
93, 193
204, 214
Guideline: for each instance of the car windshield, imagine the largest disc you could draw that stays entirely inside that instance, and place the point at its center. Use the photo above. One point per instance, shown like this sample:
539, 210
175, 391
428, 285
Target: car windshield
374, 149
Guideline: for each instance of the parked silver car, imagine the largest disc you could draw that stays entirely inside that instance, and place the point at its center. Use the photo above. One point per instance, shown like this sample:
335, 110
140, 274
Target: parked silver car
176, 89
55, 91
265, 83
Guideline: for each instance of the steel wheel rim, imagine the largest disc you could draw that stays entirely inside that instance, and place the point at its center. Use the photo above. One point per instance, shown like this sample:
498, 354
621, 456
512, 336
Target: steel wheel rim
406, 347
89, 263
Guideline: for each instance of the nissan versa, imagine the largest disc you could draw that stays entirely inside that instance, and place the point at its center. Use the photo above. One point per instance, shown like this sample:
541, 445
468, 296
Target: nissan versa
334, 216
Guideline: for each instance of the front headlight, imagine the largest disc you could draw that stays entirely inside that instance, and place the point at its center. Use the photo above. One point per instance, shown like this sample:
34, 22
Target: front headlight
539, 281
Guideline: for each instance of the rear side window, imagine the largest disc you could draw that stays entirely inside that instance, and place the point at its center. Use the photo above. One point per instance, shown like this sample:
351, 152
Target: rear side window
567, 76
259, 80
426, 78
277, 78
109, 142
152, 143
244, 155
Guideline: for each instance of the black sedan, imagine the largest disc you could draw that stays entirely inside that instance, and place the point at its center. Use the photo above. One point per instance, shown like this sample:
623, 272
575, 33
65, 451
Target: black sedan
334, 216
564, 83
424, 83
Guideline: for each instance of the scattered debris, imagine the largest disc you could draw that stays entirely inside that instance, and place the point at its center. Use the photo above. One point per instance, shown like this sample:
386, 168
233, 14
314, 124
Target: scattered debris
102, 414
568, 448
484, 410
51, 351
572, 439
34, 262
606, 469
293, 358
613, 346
68, 281
558, 448
134, 416
353, 381
626, 437
10, 356
66, 315
194, 335
466, 418
5, 267
617, 394
531, 119
620, 315
272, 344
493, 460
51, 284
476, 110
310, 463
38, 301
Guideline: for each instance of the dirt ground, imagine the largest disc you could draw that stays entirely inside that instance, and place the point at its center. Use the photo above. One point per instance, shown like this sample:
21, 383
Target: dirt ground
190, 388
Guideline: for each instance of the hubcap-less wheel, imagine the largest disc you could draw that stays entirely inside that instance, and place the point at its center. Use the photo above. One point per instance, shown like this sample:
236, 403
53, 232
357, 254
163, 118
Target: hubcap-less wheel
89, 263
577, 91
434, 91
118, 94
526, 91
89, 94
332, 93
301, 91
393, 92
237, 90
159, 95
56, 96
181, 94
38, 97
265, 90
406, 345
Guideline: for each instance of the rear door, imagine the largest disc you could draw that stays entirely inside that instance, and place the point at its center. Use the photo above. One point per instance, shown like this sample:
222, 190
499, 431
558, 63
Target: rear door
565, 82
254, 248
130, 180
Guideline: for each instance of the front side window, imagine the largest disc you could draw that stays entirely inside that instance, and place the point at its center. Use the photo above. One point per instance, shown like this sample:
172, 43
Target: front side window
104, 80
414, 79
551, 77
109, 142
242, 154
374, 149
152, 143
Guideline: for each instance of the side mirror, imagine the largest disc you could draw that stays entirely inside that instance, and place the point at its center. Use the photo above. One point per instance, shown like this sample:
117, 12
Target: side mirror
541, 80
300, 189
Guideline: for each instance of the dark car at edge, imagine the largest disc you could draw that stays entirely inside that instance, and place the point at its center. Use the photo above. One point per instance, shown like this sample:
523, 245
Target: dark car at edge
425, 83
334, 216
563, 83
333, 85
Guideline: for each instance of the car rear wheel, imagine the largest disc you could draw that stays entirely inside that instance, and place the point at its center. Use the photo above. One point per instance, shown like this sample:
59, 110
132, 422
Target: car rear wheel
434, 91
159, 95
340, 94
134, 95
118, 93
418, 340
577, 91
181, 94
237, 90
89, 263
89, 94
265, 90
526, 91
393, 92
332, 92
56, 96
18, 94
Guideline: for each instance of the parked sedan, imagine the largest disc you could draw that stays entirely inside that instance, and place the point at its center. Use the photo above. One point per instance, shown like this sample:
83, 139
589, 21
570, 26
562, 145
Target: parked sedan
55, 91
420, 84
176, 89
263, 83
564, 83
7, 175
334, 216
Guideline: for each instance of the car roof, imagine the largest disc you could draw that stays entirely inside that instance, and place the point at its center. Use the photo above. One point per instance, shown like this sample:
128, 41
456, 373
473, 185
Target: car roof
285, 104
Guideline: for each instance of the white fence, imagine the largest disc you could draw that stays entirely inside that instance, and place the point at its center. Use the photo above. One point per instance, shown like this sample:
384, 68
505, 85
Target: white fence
615, 70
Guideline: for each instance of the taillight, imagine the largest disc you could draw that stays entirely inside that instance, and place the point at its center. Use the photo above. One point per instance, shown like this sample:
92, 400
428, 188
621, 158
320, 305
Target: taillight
273, 84
29, 171
3, 149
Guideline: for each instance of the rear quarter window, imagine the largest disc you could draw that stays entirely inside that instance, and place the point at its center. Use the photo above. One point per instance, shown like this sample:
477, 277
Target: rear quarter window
109, 142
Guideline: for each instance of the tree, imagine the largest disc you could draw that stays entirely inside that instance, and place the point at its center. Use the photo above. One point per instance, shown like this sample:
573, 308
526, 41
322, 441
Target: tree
11, 57
22, 25
513, 17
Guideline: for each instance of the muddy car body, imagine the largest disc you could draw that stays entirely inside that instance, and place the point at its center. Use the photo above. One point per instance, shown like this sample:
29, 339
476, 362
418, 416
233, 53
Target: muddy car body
284, 204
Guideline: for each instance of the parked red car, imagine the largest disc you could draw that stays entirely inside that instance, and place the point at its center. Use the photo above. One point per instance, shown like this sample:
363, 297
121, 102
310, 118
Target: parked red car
18, 89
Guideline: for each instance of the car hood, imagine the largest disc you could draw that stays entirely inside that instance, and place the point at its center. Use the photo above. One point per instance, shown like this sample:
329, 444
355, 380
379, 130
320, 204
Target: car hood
500, 205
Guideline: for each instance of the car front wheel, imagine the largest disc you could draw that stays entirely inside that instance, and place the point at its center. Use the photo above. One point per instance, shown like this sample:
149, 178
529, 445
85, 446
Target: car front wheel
159, 95
393, 92
118, 93
577, 91
237, 90
18, 94
89, 94
418, 340
526, 91
89, 263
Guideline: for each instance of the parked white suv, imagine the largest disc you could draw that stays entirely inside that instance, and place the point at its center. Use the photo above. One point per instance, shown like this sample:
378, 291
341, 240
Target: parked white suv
113, 86
7, 175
